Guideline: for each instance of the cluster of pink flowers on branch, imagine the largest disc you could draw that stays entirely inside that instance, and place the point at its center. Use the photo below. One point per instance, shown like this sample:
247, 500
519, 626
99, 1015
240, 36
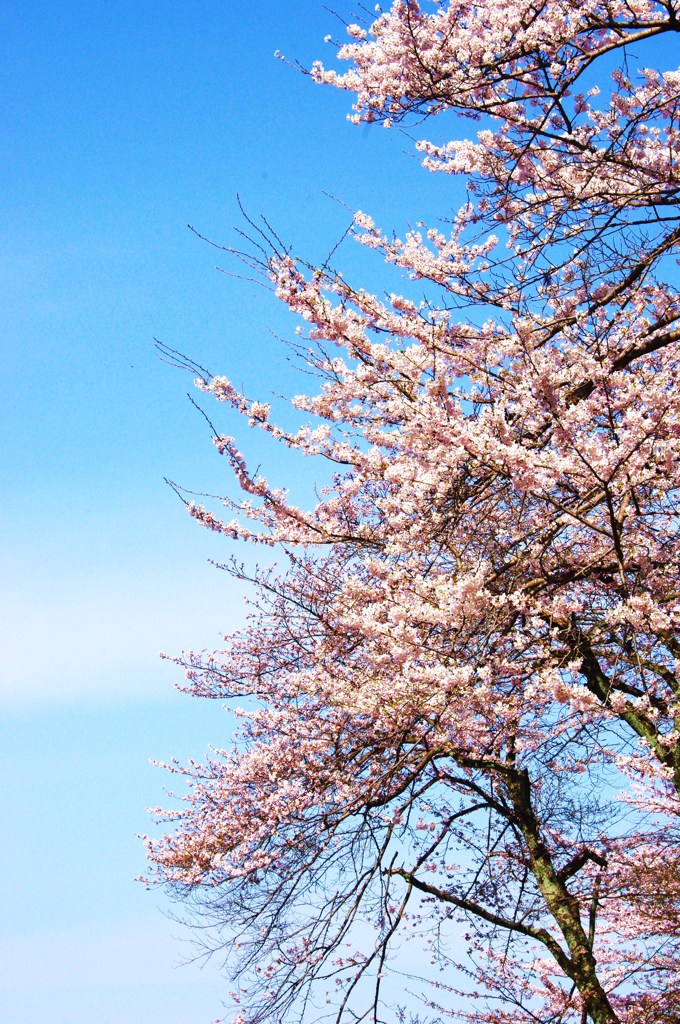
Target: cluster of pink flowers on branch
560, 155
461, 700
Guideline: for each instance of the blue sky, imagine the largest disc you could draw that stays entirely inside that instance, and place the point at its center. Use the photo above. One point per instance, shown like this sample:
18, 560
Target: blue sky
124, 122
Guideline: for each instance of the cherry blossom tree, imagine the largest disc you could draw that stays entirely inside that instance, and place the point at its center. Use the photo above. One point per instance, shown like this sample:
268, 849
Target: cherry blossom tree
459, 700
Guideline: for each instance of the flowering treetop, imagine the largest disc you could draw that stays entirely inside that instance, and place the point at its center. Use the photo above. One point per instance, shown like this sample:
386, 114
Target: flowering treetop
464, 693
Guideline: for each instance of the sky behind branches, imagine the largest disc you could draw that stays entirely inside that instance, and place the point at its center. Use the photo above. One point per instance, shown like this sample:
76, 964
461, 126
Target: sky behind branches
124, 122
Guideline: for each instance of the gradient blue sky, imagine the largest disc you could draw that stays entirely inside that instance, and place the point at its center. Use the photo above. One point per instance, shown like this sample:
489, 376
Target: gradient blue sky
123, 122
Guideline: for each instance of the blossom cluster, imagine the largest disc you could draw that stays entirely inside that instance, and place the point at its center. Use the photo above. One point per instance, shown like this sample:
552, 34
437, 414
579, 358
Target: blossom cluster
461, 700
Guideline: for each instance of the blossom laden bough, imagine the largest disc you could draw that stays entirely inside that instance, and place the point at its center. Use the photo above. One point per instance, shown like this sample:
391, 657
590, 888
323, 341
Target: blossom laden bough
462, 696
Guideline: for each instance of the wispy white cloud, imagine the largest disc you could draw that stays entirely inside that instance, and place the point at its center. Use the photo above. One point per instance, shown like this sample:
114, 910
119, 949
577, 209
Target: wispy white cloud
101, 640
